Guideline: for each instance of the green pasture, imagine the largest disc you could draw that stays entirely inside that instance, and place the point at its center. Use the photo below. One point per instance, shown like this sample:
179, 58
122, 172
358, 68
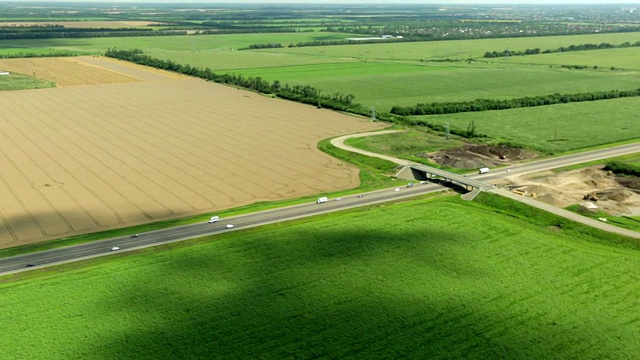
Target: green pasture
438, 278
621, 59
385, 84
454, 49
22, 82
406, 145
182, 43
555, 128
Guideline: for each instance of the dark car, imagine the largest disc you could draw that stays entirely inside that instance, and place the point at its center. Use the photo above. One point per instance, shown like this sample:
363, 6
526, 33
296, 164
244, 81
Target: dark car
30, 265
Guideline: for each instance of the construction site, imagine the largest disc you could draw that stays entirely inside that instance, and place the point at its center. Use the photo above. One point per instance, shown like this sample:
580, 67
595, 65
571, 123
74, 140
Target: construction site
592, 188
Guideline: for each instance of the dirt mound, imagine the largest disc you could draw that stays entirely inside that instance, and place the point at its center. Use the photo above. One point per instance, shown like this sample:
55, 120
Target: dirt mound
549, 199
501, 152
588, 208
477, 156
461, 160
630, 182
615, 194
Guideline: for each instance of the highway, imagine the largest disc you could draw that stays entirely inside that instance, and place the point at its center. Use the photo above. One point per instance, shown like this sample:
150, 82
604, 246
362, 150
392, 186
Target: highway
101, 248
127, 243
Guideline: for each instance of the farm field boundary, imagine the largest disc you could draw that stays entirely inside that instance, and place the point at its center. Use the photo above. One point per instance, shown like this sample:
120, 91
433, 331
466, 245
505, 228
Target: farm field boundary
100, 157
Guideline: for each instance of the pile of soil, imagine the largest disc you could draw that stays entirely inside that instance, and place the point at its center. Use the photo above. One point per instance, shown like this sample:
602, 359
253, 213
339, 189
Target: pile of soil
619, 195
616, 195
477, 156
630, 182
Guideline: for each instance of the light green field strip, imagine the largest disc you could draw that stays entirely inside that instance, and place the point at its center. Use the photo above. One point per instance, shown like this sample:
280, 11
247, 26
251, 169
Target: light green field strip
408, 281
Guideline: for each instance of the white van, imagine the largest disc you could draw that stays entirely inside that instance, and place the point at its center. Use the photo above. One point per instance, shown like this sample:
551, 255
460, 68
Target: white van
483, 170
321, 200
214, 219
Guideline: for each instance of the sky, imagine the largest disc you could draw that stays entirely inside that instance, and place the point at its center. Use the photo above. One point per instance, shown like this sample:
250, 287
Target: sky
503, 2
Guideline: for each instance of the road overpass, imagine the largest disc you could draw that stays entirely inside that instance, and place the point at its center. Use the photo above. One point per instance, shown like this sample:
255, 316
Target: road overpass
101, 248
424, 172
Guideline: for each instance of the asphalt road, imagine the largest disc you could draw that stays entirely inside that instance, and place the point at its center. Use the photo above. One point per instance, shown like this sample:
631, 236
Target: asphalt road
127, 243
102, 248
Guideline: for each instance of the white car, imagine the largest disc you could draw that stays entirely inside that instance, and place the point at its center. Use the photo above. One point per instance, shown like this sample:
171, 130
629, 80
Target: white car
396, 189
115, 248
229, 226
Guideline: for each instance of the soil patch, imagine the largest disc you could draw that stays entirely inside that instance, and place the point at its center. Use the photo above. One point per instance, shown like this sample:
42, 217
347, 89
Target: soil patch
616, 195
477, 156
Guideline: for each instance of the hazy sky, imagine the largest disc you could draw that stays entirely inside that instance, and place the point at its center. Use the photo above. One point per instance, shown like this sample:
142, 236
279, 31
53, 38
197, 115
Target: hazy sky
558, 2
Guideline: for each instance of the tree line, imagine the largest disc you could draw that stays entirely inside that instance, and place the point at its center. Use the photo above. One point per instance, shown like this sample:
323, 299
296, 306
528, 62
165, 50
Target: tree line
58, 32
299, 93
495, 54
436, 108
50, 53
330, 43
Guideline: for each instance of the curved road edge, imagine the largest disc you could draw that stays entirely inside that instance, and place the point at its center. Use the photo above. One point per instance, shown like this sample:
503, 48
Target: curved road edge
525, 168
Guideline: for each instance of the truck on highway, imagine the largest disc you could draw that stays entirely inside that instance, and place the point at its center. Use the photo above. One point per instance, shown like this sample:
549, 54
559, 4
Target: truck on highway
483, 170
321, 200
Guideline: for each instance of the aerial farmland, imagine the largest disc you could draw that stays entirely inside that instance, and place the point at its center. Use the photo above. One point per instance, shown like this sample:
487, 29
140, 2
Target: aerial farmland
204, 182
118, 144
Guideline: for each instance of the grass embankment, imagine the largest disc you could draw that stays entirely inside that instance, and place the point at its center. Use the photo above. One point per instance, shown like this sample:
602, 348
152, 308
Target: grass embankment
627, 222
438, 278
408, 145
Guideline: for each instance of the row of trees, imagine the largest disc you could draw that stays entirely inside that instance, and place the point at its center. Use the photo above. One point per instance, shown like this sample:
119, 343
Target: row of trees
332, 42
433, 30
266, 46
495, 54
57, 32
494, 104
299, 93
51, 53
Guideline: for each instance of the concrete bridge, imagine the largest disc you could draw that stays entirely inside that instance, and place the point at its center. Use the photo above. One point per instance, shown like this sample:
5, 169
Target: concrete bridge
414, 171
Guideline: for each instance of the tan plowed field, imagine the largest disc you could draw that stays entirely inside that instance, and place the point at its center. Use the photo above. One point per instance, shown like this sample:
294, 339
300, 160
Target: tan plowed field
87, 158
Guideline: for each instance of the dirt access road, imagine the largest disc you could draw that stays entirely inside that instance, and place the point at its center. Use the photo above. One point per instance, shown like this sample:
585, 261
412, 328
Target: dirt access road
523, 169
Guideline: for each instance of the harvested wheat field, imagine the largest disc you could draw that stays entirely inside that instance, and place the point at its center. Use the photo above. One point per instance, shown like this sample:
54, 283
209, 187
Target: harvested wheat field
88, 158
77, 71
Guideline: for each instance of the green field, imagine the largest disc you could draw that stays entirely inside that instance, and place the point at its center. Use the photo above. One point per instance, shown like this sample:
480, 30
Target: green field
384, 75
555, 128
385, 84
622, 59
22, 82
454, 49
436, 279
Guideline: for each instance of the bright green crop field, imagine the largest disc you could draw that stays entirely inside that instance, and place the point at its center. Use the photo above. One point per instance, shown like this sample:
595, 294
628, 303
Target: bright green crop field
555, 128
431, 279
385, 84
621, 59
